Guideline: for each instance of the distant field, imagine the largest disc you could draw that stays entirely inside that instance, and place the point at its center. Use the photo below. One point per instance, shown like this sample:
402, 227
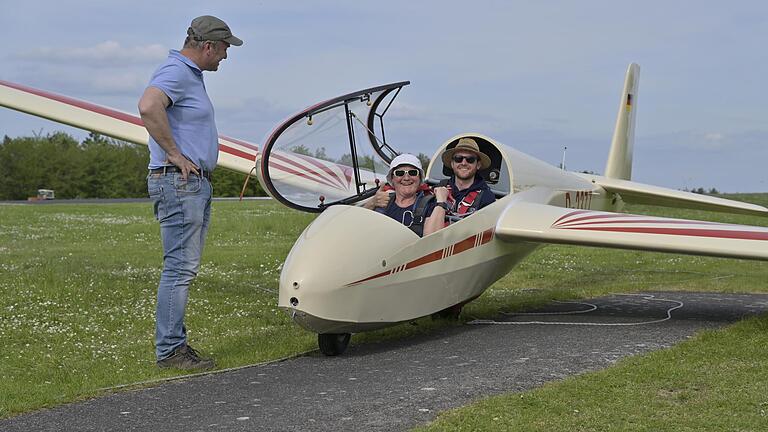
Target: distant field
77, 291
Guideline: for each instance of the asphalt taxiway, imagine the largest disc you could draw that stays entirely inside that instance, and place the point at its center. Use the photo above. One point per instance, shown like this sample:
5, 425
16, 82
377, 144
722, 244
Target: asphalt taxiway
397, 384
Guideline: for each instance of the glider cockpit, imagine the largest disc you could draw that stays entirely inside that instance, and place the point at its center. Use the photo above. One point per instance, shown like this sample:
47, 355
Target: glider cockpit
336, 152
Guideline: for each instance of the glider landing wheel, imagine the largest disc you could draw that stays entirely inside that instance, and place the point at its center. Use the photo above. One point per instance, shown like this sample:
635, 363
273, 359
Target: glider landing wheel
452, 313
333, 344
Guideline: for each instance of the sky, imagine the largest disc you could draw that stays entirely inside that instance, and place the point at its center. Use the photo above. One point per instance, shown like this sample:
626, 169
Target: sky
538, 76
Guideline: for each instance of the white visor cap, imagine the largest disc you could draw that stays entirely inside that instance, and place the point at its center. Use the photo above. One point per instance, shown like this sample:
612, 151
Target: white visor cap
405, 159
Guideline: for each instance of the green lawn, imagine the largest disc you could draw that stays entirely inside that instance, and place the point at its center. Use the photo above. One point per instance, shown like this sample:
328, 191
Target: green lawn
717, 381
714, 382
77, 292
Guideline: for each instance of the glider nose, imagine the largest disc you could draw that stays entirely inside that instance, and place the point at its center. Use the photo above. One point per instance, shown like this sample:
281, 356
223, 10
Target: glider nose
328, 256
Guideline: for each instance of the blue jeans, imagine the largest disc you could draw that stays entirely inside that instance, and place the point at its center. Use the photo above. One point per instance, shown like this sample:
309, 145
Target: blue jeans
183, 208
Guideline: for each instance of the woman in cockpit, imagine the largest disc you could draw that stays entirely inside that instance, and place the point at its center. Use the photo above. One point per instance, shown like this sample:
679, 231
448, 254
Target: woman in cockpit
413, 204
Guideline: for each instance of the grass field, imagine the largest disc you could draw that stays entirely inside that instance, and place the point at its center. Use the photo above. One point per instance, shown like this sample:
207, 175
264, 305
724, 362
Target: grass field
717, 381
77, 292
77, 289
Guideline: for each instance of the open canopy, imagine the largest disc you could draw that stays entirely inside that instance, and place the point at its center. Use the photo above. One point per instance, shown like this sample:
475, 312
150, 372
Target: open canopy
334, 152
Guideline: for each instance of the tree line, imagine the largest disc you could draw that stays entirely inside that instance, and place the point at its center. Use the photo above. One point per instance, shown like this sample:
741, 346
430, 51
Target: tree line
98, 167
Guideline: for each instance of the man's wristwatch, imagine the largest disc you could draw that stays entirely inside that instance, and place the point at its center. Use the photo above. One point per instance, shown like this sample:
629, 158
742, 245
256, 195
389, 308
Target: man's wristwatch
444, 205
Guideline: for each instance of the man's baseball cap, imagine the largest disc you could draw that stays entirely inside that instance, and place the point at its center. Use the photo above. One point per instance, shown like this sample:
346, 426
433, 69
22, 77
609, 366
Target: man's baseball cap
210, 28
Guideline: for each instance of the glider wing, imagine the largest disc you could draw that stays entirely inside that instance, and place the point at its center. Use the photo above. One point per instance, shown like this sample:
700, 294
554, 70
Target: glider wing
233, 154
549, 224
638, 193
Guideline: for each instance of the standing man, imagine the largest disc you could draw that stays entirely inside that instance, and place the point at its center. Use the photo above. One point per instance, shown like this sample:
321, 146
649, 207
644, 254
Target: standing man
468, 191
183, 151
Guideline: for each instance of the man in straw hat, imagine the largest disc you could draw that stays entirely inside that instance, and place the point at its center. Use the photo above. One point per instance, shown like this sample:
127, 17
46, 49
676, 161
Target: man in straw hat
183, 151
469, 192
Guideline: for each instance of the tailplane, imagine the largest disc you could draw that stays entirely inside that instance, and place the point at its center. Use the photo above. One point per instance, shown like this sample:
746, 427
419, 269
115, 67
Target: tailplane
618, 170
619, 164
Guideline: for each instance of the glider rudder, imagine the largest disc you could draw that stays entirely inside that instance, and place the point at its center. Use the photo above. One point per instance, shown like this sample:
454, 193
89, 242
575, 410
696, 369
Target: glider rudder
619, 164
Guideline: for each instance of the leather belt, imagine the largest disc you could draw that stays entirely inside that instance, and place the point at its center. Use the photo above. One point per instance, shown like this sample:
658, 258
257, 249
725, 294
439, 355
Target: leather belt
175, 169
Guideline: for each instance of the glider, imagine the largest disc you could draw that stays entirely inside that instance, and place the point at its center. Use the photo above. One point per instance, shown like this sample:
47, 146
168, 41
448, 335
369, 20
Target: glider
354, 270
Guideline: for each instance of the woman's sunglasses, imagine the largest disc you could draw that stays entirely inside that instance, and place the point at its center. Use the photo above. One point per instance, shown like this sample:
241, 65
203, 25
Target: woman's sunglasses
469, 159
412, 173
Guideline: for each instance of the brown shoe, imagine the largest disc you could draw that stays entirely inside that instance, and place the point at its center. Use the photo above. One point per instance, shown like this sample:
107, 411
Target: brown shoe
185, 357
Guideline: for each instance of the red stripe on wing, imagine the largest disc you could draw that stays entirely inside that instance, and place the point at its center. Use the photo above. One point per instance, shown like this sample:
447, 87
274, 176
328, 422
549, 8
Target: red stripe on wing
335, 183
236, 152
119, 115
591, 216
712, 233
638, 221
290, 170
324, 168
573, 213
240, 142
77, 103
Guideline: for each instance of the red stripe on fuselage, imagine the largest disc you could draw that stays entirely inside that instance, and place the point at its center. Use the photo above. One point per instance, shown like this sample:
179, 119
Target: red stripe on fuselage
466, 244
388, 272
461, 246
426, 259
487, 236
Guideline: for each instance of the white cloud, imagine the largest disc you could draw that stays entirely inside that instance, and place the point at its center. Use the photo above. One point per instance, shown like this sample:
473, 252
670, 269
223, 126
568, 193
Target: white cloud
119, 83
108, 53
714, 138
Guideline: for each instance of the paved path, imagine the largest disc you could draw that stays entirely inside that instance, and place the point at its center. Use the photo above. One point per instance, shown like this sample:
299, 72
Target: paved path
395, 385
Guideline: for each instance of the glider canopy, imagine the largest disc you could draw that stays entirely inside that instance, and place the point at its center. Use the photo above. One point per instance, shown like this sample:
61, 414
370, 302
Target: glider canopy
334, 152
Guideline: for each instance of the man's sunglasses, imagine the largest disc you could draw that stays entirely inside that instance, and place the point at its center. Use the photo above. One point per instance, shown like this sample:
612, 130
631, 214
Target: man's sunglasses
469, 159
411, 172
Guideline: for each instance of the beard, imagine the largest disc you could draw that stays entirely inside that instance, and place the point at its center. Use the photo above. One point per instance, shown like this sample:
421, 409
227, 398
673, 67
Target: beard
465, 175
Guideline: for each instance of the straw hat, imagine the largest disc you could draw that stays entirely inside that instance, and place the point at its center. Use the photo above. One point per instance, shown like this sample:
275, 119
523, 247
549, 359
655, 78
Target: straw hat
469, 145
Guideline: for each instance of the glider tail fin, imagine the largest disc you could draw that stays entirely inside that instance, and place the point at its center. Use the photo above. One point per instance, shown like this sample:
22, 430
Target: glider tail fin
619, 164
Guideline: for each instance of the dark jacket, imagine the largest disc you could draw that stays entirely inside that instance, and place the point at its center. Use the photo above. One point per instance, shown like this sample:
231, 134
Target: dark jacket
486, 195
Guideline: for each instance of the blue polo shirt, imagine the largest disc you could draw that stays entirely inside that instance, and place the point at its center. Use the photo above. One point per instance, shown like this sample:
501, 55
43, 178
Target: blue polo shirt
190, 113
